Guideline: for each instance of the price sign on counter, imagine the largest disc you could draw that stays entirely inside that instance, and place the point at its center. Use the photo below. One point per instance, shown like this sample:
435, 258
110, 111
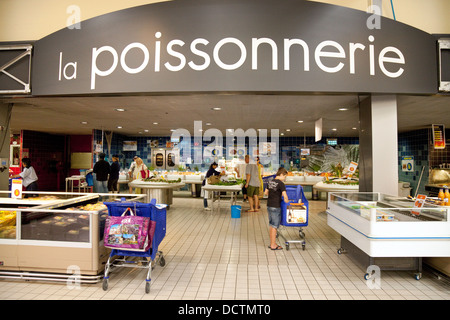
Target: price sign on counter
420, 200
16, 188
352, 169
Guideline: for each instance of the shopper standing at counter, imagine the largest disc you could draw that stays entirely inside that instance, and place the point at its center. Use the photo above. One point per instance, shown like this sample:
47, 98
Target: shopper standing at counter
252, 184
240, 170
29, 177
260, 174
102, 170
276, 192
114, 174
211, 172
131, 171
140, 166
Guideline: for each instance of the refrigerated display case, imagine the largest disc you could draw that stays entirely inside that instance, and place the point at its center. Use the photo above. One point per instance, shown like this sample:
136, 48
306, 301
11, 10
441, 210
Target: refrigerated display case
55, 236
389, 231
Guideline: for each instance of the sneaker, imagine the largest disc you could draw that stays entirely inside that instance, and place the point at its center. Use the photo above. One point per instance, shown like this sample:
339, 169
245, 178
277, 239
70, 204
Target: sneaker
207, 208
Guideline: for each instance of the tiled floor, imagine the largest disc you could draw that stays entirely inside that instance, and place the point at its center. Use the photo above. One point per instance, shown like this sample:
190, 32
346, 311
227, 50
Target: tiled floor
209, 255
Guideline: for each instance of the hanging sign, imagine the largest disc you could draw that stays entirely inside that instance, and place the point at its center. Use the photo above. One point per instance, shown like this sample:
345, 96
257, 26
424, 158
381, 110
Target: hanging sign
439, 136
238, 46
318, 130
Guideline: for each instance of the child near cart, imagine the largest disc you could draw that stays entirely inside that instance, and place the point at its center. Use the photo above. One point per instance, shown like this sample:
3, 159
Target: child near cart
275, 192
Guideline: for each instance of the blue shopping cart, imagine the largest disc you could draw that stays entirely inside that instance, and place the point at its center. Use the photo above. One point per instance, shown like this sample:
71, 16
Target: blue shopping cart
295, 214
133, 259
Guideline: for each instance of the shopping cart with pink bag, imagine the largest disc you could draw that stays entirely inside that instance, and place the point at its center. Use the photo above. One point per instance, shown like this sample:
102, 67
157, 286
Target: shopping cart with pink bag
133, 231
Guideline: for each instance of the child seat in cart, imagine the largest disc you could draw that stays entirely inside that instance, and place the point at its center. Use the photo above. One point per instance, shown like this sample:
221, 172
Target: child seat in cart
134, 259
295, 214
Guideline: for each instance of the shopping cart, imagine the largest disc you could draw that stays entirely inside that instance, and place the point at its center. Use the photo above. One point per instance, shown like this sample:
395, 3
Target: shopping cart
294, 214
133, 259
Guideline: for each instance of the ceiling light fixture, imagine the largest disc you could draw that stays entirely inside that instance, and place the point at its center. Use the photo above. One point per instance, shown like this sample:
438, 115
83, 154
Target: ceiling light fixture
334, 129
120, 109
84, 122
155, 122
343, 109
300, 121
119, 127
216, 109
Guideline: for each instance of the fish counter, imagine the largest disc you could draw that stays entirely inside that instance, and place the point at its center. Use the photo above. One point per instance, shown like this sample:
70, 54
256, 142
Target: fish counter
162, 191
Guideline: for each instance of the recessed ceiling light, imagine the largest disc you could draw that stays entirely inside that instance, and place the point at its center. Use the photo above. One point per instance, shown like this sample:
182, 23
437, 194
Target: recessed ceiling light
216, 109
208, 123
354, 128
334, 129
120, 109
145, 130
282, 134
288, 130
119, 127
172, 130
84, 122
343, 109
300, 121
155, 122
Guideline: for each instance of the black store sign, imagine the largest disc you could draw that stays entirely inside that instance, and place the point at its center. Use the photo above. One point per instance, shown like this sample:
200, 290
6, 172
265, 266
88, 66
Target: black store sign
235, 46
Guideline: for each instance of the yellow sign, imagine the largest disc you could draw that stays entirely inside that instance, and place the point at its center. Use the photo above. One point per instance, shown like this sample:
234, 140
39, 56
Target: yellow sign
16, 188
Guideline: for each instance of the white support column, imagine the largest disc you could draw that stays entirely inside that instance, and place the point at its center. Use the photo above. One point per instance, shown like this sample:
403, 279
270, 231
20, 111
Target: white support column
5, 116
385, 144
379, 145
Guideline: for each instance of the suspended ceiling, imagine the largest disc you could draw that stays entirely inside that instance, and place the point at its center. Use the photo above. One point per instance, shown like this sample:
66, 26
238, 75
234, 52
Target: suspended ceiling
157, 115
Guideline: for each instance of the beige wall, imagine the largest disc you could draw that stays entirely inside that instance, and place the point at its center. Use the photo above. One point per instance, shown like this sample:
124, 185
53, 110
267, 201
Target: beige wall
34, 19
431, 16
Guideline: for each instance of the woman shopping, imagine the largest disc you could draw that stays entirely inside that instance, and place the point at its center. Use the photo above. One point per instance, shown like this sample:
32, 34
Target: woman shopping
137, 172
140, 166
211, 172
28, 176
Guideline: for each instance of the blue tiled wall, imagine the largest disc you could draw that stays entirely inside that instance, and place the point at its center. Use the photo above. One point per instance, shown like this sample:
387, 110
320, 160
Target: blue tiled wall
414, 143
144, 149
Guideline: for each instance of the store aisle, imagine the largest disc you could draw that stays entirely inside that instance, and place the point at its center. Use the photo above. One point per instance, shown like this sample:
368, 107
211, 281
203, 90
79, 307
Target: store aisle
211, 256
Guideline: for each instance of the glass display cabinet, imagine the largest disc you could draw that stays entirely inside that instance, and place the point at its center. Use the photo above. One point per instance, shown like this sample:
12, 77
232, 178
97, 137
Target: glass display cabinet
391, 232
54, 235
